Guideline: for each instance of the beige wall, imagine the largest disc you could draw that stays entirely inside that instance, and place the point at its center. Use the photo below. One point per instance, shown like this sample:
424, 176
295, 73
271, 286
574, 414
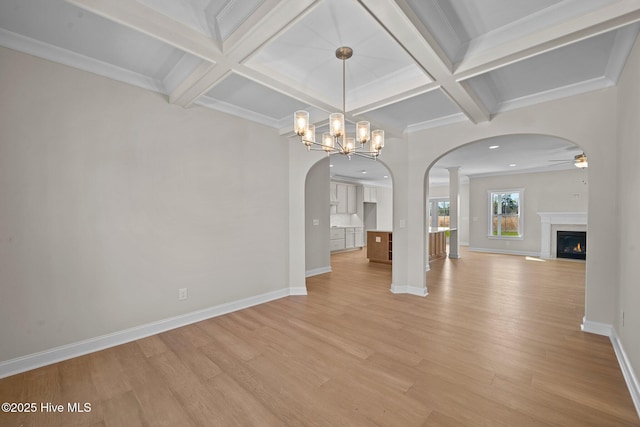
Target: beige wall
627, 208
384, 205
317, 246
111, 199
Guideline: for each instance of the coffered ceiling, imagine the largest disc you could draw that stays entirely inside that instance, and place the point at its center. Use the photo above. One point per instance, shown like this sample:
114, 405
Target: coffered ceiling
416, 63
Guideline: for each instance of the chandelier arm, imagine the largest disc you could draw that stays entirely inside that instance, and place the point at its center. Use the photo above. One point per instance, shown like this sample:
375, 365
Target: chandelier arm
319, 144
366, 155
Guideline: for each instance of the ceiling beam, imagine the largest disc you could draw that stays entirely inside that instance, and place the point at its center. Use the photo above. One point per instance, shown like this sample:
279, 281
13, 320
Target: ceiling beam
200, 81
272, 18
141, 18
395, 98
267, 21
608, 18
401, 24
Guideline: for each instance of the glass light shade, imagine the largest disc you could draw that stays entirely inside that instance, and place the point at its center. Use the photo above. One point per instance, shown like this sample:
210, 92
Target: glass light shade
349, 145
309, 135
336, 124
363, 132
327, 142
300, 122
377, 140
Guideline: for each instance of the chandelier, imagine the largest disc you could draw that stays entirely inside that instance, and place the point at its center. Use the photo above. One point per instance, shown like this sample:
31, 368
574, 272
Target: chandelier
365, 143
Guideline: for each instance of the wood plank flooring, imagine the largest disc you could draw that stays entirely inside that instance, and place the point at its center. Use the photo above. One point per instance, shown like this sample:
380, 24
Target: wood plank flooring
496, 343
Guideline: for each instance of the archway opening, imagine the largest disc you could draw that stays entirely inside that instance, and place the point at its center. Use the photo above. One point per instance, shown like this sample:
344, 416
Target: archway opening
508, 189
345, 200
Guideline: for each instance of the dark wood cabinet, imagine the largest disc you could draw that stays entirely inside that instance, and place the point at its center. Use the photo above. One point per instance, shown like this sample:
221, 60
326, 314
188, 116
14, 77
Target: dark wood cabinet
380, 246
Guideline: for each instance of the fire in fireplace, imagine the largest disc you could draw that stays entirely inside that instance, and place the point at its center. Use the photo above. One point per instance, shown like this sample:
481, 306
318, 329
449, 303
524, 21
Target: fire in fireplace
571, 244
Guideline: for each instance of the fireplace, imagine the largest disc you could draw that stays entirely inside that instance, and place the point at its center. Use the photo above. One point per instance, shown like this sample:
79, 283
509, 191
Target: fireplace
551, 222
571, 244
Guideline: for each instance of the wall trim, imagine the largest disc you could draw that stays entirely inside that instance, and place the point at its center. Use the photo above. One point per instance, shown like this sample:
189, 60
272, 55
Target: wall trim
80, 348
596, 328
504, 251
628, 373
301, 290
317, 271
627, 370
411, 290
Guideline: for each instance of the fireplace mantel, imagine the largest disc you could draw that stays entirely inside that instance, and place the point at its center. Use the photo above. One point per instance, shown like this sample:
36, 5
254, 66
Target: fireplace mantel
554, 218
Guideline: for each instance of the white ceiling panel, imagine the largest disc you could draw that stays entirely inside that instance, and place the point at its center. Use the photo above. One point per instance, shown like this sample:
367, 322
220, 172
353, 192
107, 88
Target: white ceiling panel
305, 56
251, 96
62, 25
465, 27
217, 19
511, 154
547, 75
427, 107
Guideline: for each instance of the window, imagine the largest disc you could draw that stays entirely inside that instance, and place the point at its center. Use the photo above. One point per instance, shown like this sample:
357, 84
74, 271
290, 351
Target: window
505, 213
438, 213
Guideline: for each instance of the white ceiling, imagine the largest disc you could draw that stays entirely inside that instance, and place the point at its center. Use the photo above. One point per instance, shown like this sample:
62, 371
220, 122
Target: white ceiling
416, 64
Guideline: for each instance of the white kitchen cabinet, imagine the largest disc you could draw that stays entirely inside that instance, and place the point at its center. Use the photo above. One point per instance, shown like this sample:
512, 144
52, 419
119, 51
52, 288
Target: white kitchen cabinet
343, 196
350, 238
370, 194
336, 233
333, 193
345, 238
336, 239
351, 199
358, 237
336, 245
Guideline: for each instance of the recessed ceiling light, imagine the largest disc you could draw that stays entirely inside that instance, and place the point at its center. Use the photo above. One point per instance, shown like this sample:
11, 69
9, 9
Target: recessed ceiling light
386, 176
363, 171
493, 147
512, 165
330, 165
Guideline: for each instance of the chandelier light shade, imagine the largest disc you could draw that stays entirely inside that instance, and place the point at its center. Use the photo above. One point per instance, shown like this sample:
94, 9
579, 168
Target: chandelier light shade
365, 143
336, 124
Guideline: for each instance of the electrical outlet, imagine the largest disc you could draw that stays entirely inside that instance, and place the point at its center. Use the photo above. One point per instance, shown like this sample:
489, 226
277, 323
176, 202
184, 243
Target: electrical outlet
182, 294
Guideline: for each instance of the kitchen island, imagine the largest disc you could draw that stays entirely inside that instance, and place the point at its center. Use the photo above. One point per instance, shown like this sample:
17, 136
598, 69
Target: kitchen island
380, 246
438, 242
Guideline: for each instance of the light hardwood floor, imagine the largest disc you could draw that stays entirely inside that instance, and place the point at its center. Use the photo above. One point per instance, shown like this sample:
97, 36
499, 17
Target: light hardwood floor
496, 343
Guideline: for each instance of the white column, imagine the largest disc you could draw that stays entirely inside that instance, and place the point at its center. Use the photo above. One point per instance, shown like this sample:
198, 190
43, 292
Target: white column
454, 211
433, 209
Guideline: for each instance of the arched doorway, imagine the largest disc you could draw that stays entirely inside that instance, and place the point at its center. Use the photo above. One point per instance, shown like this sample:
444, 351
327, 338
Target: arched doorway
370, 207
507, 187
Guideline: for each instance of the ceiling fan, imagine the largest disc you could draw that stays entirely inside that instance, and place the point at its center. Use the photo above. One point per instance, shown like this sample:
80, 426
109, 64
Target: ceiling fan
579, 161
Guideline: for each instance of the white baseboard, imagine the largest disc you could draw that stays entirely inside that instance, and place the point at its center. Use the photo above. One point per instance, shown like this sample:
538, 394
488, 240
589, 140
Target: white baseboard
411, 290
625, 365
627, 371
58, 354
596, 328
504, 251
316, 271
298, 291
